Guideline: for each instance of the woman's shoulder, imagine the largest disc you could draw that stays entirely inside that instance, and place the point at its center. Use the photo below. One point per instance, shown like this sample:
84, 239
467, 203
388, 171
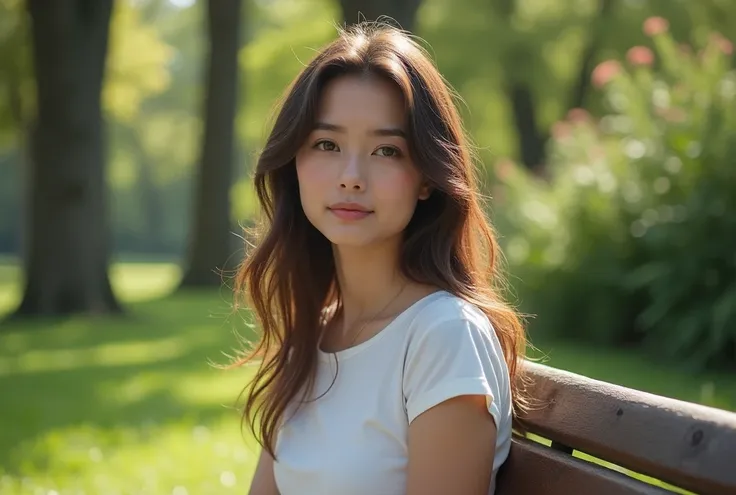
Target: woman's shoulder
452, 350
444, 309
447, 323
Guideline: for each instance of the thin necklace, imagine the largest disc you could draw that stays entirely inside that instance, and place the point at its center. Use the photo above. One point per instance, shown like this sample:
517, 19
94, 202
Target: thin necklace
362, 327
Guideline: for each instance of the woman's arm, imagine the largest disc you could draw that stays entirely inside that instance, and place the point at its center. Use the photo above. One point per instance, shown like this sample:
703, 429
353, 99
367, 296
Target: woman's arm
451, 448
264, 482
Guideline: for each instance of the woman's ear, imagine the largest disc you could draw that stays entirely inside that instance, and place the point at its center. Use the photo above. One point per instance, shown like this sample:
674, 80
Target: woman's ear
425, 191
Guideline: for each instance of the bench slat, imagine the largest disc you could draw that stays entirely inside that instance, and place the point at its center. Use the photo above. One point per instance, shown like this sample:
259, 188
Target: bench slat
687, 445
535, 469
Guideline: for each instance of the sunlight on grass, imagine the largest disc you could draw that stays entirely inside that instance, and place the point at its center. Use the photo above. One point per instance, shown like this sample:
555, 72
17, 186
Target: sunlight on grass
131, 281
125, 405
181, 457
141, 281
114, 354
9, 286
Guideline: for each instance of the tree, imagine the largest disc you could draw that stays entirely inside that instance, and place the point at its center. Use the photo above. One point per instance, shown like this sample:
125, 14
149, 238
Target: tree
402, 11
210, 238
67, 253
532, 139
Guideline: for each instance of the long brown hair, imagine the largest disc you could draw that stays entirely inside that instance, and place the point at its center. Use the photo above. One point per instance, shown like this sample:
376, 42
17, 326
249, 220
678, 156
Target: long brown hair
289, 277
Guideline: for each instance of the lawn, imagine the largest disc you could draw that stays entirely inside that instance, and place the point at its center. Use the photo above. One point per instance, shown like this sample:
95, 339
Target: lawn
136, 406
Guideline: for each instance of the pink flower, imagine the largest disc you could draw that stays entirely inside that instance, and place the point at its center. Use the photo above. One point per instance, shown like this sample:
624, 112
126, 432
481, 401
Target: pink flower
656, 25
724, 44
605, 72
640, 55
561, 130
578, 115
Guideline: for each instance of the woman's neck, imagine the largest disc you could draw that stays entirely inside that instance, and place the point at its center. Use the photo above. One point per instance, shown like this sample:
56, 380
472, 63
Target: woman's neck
369, 278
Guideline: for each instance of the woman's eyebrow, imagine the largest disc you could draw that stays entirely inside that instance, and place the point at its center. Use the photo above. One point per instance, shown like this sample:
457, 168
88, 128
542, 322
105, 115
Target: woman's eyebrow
390, 131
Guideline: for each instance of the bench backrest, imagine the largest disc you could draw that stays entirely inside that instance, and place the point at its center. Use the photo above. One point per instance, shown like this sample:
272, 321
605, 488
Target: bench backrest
686, 445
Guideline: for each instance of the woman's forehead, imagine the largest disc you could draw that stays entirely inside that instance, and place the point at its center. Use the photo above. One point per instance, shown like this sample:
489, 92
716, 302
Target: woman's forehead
353, 100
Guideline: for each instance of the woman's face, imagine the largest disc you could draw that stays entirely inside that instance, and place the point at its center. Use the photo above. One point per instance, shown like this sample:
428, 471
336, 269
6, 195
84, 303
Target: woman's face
357, 183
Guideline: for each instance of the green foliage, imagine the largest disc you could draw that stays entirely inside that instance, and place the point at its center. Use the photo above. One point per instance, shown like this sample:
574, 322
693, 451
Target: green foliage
15, 72
155, 74
156, 122
136, 65
287, 36
633, 236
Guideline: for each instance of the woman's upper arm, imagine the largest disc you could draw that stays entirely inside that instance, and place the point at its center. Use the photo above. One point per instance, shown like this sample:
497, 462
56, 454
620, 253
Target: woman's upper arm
455, 381
264, 482
451, 448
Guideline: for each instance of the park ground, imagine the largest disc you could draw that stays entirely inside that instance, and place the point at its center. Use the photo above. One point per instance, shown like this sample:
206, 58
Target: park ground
141, 404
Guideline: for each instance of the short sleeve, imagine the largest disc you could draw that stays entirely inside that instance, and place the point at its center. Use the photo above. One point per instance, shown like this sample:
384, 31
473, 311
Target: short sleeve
453, 358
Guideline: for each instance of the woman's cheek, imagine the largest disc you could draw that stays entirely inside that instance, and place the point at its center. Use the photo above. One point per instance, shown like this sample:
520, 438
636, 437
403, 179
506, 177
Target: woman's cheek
312, 173
310, 190
400, 188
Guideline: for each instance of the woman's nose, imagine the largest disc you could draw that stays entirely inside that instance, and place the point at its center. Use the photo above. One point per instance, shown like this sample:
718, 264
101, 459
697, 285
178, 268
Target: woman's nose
352, 177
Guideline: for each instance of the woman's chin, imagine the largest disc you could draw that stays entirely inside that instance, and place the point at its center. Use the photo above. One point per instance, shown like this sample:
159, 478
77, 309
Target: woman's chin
350, 241
348, 237
362, 240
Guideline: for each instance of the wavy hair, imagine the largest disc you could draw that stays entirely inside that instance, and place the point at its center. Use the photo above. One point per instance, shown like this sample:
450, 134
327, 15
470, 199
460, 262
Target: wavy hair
289, 277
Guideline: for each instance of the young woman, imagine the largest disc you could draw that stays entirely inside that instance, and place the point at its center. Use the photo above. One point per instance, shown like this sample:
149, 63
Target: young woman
388, 361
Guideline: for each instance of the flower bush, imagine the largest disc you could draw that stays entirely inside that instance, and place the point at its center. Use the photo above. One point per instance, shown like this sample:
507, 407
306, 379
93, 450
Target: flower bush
631, 237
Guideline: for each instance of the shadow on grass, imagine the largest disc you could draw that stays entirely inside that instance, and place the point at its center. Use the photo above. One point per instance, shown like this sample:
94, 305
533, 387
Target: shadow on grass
153, 367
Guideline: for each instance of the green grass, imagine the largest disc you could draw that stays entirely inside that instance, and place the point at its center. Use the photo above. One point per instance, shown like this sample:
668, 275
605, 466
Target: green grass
134, 405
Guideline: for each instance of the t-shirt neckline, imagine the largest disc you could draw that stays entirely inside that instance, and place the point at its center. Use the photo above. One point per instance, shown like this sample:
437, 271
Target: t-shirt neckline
353, 350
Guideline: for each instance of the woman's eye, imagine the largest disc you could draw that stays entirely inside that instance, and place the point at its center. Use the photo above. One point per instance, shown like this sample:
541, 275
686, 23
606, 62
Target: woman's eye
326, 146
388, 152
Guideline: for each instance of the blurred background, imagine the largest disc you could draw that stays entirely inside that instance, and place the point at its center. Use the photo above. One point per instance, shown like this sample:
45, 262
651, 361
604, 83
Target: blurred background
606, 141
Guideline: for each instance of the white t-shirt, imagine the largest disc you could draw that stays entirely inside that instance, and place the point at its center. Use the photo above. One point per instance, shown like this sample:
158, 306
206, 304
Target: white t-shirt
353, 439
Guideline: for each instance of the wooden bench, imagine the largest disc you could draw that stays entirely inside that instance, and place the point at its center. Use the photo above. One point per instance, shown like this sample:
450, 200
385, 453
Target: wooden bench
690, 446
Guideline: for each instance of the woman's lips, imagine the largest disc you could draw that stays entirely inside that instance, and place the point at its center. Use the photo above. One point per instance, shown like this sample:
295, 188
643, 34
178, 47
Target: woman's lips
349, 214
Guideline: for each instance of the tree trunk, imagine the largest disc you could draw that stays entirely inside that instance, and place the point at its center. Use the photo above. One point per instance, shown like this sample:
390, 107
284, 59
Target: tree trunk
210, 246
532, 140
582, 83
402, 11
67, 253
